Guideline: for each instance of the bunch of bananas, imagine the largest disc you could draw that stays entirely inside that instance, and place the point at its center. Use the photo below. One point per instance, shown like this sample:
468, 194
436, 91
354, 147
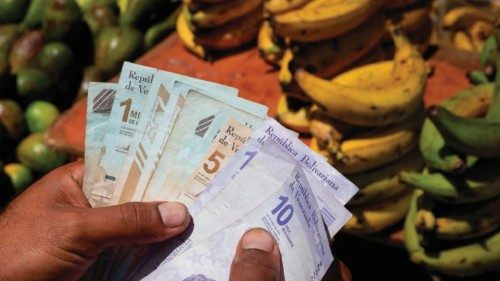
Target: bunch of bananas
366, 122
328, 37
470, 26
205, 26
458, 200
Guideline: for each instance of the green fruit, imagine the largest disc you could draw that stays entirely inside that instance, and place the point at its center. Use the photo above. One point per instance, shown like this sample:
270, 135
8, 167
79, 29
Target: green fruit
11, 117
135, 10
114, 45
34, 152
436, 152
33, 83
478, 77
493, 114
8, 35
34, 16
473, 136
54, 58
25, 49
86, 5
12, 10
60, 17
20, 176
40, 115
99, 17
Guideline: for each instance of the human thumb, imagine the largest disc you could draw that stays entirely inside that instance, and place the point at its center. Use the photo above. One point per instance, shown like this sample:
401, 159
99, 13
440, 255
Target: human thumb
137, 223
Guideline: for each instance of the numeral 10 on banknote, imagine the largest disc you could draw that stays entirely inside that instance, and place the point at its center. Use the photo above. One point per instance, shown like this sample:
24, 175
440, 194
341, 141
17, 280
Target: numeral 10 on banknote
285, 211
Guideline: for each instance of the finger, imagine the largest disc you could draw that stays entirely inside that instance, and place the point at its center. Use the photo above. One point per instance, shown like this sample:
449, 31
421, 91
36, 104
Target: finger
68, 175
136, 223
257, 257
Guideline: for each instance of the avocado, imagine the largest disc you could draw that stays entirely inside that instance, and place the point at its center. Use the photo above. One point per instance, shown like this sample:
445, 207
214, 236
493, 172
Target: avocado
60, 17
33, 83
54, 58
24, 51
40, 115
20, 176
12, 11
8, 35
34, 152
12, 118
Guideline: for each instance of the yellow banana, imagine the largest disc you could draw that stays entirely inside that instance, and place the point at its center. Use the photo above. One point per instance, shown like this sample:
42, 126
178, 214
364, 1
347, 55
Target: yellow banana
281, 6
293, 114
377, 148
187, 37
396, 4
479, 32
328, 131
387, 104
462, 41
315, 147
374, 75
285, 76
379, 216
382, 183
411, 19
328, 58
323, 19
463, 17
268, 44
232, 35
215, 15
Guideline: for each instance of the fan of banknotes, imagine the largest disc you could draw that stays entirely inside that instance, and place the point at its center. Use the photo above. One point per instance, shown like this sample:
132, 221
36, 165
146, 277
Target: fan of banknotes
161, 136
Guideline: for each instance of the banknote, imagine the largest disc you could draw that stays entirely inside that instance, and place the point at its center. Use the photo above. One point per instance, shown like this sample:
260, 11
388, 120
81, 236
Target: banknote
192, 134
99, 102
291, 215
326, 189
160, 109
135, 81
252, 186
226, 144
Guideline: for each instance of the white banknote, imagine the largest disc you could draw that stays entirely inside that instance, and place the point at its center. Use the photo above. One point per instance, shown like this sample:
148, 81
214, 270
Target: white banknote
192, 134
135, 81
100, 99
290, 214
161, 108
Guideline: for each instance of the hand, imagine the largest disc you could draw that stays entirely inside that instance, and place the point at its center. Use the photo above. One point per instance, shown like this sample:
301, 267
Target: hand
50, 232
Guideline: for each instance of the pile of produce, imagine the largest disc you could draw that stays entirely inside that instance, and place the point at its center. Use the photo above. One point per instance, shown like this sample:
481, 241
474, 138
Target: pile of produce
208, 26
366, 121
453, 224
327, 38
49, 51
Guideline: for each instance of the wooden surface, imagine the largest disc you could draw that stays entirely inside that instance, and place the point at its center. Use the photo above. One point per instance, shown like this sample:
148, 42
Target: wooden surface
256, 80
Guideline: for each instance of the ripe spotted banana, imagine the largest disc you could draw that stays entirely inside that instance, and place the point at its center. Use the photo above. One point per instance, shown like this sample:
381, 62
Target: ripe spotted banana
187, 37
470, 259
211, 16
328, 58
293, 114
377, 148
232, 35
379, 106
466, 223
468, 103
481, 182
328, 131
269, 46
382, 183
379, 216
281, 6
323, 19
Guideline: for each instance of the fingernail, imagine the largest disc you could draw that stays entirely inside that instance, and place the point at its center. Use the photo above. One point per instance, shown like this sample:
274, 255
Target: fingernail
172, 213
257, 238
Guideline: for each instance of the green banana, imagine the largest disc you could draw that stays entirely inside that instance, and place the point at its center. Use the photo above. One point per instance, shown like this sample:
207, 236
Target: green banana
34, 15
469, 103
481, 182
474, 136
158, 31
382, 183
8, 35
470, 259
493, 114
